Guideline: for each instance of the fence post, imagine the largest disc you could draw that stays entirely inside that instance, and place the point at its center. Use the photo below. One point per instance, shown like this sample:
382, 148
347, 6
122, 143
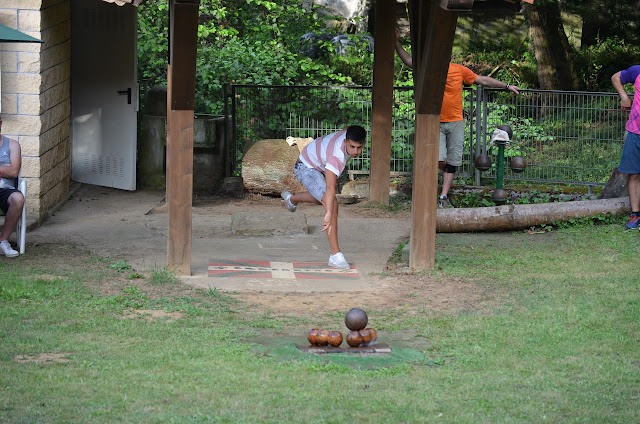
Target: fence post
477, 116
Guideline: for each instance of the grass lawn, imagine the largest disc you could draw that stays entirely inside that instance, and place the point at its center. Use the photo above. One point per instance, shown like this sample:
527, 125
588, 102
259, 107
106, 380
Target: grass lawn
555, 337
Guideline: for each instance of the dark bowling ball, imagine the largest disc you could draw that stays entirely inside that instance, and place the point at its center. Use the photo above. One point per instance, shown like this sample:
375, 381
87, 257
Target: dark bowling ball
499, 196
508, 129
482, 162
313, 336
356, 319
518, 164
323, 337
335, 338
354, 339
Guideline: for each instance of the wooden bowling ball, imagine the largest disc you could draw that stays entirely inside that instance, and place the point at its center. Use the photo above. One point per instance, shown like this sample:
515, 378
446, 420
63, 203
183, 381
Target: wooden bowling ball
482, 162
313, 335
508, 130
366, 336
354, 339
356, 319
518, 164
499, 196
374, 334
323, 337
335, 338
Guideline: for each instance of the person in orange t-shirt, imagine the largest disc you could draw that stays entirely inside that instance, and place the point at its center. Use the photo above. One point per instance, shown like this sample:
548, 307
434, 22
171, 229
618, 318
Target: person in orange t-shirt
452, 119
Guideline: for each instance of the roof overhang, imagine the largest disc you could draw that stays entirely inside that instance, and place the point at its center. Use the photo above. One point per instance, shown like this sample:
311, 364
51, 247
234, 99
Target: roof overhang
11, 35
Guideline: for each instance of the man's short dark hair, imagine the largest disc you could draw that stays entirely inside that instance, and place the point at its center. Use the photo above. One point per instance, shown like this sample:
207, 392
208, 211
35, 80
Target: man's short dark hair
356, 133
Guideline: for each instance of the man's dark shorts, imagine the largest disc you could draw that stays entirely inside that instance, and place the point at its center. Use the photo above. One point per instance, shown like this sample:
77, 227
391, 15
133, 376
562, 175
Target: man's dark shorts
4, 198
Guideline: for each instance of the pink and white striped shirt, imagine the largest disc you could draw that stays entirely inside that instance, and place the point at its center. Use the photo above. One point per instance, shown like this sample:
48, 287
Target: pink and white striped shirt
326, 153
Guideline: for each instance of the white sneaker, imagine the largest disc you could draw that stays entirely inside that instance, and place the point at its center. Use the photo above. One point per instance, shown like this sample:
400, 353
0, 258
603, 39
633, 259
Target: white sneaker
6, 250
338, 261
287, 196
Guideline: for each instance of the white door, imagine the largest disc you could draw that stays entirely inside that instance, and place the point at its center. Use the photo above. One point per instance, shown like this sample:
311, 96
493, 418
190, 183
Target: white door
104, 93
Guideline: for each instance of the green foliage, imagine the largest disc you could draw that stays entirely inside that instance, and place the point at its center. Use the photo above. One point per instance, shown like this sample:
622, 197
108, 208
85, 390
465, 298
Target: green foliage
597, 63
120, 266
249, 42
163, 276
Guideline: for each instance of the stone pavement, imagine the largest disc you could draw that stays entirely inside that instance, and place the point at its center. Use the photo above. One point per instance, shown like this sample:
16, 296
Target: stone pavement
132, 226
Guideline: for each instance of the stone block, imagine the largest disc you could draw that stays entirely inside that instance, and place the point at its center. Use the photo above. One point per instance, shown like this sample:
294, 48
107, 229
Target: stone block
262, 223
23, 47
28, 104
55, 55
30, 167
9, 61
10, 104
55, 135
55, 75
55, 95
28, 62
22, 125
29, 20
30, 145
21, 83
56, 34
56, 14
22, 4
55, 115
9, 17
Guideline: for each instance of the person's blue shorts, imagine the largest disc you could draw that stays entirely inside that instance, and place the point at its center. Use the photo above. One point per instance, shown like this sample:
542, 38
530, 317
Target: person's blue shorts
630, 161
312, 179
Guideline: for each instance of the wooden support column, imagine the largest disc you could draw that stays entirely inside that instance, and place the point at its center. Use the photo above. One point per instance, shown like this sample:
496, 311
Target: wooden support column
383, 74
183, 30
432, 30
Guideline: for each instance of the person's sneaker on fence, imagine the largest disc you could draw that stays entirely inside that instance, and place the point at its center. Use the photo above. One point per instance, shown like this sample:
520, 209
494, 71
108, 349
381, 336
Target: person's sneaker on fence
443, 202
6, 250
287, 199
338, 261
634, 221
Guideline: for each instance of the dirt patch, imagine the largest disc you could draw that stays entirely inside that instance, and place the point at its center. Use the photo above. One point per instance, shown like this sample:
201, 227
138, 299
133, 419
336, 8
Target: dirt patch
412, 292
152, 315
43, 358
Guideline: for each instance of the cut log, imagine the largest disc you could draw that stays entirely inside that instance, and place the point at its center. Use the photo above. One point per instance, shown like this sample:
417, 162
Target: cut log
267, 167
617, 186
516, 217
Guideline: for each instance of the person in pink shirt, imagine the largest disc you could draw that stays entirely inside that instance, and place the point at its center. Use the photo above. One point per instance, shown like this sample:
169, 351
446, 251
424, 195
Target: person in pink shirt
320, 164
630, 160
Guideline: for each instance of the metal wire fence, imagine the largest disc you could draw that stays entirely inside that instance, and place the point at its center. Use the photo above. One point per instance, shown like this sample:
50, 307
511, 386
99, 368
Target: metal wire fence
565, 137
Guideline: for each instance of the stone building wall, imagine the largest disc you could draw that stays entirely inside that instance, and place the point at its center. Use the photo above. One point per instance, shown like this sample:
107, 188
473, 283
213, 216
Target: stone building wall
36, 108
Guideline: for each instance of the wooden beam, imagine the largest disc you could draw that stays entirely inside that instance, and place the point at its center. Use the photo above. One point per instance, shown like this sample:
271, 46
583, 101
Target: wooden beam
383, 76
183, 30
432, 32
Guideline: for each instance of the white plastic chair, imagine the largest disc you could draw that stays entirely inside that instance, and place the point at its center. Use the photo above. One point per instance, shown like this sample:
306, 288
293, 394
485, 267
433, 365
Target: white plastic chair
21, 227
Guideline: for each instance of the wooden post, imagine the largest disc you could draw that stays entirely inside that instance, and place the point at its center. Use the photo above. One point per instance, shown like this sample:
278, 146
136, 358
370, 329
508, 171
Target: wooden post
183, 29
383, 74
432, 31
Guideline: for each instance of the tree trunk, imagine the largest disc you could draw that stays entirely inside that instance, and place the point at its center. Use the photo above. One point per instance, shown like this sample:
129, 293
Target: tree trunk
556, 69
617, 186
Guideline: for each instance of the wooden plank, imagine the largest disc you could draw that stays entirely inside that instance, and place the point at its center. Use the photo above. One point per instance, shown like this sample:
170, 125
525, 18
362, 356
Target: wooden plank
183, 27
425, 192
383, 73
180, 189
432, 29
434, 54
182, 52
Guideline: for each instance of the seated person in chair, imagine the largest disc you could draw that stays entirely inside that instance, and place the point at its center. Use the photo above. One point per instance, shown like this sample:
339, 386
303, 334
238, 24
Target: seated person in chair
11, 199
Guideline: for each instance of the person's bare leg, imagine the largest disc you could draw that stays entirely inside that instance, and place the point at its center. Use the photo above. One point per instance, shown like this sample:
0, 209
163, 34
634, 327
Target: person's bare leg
634, 192
447, 181
15, 202
303, 197
333, 235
